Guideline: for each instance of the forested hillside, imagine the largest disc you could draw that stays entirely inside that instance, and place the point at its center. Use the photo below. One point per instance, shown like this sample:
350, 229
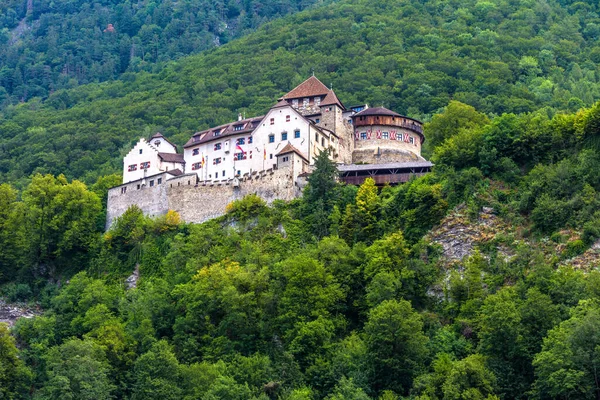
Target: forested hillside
50, 45
414, 57
345, 293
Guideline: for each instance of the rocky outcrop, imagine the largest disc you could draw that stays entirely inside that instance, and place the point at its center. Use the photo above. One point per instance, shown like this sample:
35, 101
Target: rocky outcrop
9, 313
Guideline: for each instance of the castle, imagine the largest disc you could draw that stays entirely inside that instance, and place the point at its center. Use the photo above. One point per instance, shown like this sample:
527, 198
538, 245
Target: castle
268, 155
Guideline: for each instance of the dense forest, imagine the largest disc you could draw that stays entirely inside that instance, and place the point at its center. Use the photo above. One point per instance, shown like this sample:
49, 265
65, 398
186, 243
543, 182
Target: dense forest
346, 292
341, 294
413, 57
49, 45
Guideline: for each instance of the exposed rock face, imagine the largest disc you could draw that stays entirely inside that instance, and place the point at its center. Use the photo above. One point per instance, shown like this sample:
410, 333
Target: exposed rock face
131, 281
588, 260
458, 236
9, 313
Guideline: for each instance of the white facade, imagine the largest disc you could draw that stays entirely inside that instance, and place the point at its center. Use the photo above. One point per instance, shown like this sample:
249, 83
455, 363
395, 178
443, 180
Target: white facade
282, 125
145, 160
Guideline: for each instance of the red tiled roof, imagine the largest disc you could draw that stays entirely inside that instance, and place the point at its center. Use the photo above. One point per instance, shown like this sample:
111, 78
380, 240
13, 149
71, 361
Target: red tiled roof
288, 148
175, 172
249, 125
331, 99
281, 103
171, 157
309, 88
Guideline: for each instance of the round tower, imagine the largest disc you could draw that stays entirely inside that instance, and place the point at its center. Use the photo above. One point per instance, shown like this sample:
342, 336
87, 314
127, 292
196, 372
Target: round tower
384, 136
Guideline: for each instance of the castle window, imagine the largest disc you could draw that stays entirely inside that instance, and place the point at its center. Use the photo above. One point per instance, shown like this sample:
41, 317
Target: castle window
217, 146
287, 118
138, 187
132, 167
145, 165
157, 143
412, 140
270, 156
317, 100
240, 156
284, 136
323, 142
240, 141
195, 152
285, 159
217, 161
159, 181
123, 189
317, 120
223, 173
239, 172
141, 151
196, 166
363, 136
295, 103
249, 139
386, 135
216, 174
151, 183
317, 137
296, 134
271, 138
272, 121
238, 127
305, 102
216, 132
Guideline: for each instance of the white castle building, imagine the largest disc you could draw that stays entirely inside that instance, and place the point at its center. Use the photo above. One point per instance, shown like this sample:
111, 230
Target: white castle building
363, 141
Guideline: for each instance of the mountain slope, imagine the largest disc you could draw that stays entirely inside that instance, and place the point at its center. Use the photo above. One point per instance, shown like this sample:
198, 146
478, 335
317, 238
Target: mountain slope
413, 57
48, 45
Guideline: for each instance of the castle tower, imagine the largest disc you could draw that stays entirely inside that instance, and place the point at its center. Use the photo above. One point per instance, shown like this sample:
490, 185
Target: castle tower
384, 136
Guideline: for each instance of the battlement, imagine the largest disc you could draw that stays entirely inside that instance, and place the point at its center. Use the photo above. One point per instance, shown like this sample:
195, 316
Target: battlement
198, 201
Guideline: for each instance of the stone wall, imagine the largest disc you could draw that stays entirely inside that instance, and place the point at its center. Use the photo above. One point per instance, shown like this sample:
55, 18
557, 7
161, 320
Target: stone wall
198, 201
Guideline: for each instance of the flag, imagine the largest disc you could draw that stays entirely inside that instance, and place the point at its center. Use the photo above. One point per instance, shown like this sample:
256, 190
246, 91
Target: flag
203, 159
264, 153
238, 147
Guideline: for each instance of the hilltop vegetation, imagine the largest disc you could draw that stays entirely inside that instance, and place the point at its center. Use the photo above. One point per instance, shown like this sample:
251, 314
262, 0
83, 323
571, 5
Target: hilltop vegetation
337, 295
48, 45
414, 57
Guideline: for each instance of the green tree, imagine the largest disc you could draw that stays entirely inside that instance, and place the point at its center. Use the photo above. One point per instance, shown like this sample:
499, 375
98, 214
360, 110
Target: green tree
456, 117
77, 369
396, 345
15, 377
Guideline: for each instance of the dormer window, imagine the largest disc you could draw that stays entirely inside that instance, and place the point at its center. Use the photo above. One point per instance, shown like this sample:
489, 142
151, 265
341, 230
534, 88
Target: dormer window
238, 127
196, 139
216, 132
318, 100
295, 103
305, 102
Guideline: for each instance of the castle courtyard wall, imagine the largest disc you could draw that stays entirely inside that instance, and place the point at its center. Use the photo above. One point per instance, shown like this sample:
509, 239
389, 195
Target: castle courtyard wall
198, 202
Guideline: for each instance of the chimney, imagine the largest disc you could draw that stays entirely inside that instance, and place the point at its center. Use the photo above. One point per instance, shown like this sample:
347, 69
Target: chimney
240, 116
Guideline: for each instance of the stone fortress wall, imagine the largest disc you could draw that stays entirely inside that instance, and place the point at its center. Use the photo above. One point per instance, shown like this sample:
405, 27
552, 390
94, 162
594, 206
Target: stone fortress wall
198, 201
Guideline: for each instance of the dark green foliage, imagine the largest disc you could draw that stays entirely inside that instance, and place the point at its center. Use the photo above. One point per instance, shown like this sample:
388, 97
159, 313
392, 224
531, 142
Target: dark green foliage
412, 57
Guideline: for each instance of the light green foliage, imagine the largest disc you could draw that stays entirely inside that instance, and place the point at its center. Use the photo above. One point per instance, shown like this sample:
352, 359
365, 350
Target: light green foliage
77, 369
568, 363
14, 375
456, 118
468, 378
